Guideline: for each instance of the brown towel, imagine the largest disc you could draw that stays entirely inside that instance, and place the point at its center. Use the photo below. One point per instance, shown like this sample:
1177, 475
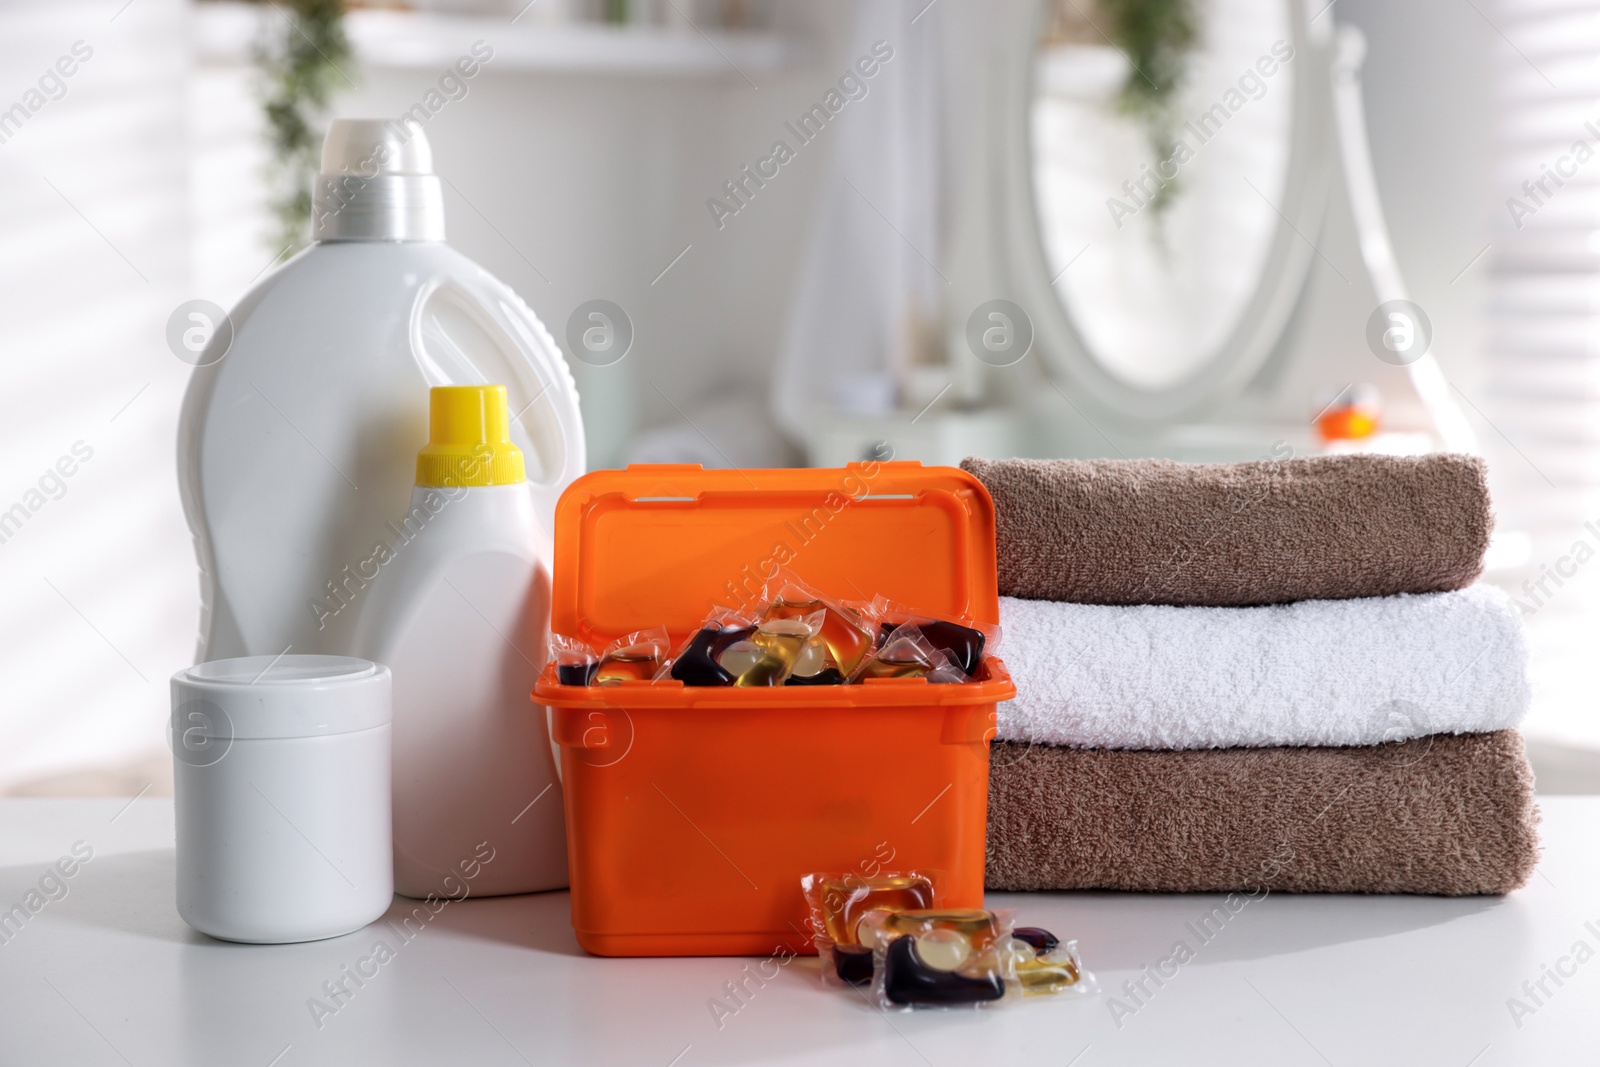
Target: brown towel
1446, 814
1152, 531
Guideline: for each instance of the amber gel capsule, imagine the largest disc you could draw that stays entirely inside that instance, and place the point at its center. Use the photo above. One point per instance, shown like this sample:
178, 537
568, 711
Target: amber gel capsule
780, 642
846, 898
634, 663
848, 638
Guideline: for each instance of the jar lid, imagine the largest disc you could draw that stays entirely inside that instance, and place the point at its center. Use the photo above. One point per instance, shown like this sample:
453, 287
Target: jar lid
278, 696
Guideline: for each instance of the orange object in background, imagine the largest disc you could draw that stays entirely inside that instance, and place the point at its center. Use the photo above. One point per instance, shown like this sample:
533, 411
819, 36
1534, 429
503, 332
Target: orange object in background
693, 812
1355, 414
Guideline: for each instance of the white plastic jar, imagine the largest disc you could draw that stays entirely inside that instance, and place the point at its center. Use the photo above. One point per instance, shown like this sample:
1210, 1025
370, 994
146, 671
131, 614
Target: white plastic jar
281, 787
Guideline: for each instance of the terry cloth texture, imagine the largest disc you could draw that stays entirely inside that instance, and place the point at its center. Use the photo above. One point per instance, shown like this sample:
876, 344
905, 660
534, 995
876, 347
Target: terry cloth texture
1316, 672
1151, 531
1450, 815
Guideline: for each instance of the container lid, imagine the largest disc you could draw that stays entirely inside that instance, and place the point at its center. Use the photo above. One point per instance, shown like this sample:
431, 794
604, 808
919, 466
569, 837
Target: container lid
662, 544
469, 439
278, 696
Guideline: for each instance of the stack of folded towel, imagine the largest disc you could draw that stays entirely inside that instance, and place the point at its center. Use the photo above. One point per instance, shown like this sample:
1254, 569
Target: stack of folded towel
1260, 675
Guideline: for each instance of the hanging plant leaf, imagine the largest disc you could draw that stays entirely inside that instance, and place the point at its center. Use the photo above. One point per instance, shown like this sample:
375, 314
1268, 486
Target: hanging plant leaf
301, 58
1158, 38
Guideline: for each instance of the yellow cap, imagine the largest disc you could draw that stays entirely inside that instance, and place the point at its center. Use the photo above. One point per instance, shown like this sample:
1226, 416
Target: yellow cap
469, 438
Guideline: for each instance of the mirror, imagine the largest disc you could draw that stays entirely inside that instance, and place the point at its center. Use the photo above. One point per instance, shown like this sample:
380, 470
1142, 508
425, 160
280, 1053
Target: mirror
1171, 227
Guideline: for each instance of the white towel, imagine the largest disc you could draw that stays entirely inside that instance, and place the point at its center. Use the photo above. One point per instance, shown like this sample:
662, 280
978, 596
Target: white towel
1316, 672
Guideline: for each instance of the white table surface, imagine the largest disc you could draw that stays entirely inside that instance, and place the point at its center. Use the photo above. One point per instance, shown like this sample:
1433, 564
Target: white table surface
109, 974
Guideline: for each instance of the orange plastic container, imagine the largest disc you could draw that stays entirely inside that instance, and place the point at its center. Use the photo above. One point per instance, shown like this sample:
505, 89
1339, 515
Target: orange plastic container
693, 812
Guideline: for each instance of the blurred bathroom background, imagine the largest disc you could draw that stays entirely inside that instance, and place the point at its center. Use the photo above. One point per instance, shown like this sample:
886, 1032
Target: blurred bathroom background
959, 250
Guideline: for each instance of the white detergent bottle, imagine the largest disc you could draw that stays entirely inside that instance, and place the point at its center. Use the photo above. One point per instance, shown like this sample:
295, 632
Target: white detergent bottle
459, 612
296, 442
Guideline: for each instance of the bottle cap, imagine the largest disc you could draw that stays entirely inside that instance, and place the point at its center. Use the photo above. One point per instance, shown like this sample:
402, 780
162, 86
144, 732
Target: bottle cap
377, 184
285, 696
469, 439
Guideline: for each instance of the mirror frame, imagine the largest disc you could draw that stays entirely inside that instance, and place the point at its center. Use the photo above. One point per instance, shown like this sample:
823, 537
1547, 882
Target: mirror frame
1285, 273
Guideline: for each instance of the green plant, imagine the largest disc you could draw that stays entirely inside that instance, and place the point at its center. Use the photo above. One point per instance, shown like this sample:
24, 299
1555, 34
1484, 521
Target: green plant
301, 60
1157, 36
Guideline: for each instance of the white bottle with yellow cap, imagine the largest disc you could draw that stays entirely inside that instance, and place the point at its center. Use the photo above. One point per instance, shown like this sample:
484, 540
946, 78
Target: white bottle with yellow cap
459, 611
299, 424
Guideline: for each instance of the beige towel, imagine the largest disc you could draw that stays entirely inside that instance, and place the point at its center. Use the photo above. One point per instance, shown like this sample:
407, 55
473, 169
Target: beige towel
1154, 531
1445, 814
